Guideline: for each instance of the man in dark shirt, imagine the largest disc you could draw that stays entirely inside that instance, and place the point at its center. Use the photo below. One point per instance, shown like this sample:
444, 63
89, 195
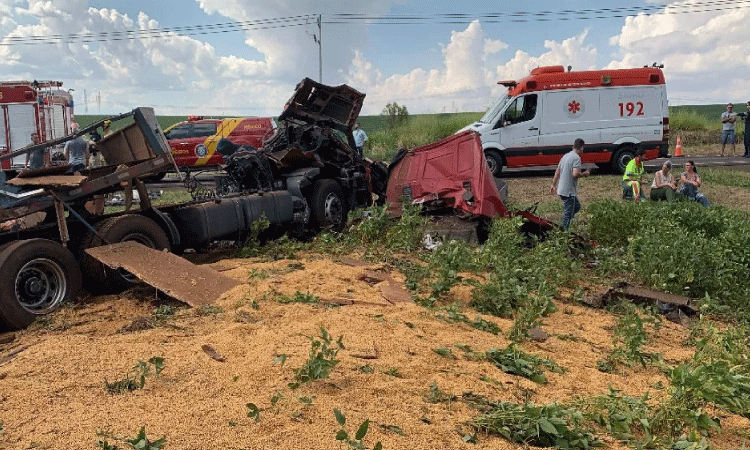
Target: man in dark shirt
35, 158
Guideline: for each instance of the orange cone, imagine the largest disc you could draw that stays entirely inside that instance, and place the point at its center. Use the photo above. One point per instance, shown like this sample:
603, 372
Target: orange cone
678, 147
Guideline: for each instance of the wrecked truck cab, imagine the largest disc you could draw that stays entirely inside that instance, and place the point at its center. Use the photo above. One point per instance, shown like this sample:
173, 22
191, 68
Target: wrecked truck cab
312, 155
452, 176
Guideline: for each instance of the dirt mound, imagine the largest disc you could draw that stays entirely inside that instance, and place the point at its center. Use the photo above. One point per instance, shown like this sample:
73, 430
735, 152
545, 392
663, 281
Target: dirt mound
53, 393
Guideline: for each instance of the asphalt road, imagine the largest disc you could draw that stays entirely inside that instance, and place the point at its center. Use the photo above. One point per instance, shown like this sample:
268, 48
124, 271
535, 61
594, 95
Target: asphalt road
652, 166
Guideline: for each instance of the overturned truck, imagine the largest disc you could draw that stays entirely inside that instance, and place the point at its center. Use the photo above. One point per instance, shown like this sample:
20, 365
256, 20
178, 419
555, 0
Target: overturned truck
306, 176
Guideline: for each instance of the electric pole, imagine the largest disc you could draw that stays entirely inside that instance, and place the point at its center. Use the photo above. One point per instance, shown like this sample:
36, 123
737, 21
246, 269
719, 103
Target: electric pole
320, 50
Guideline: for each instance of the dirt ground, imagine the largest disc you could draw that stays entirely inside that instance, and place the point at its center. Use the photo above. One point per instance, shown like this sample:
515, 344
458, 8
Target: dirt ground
52, 392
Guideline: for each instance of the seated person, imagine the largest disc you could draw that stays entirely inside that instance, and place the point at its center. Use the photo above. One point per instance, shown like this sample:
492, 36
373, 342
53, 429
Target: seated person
691, 181
664, 186
633, 177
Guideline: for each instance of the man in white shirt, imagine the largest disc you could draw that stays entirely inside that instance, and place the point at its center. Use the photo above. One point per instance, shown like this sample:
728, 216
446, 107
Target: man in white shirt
727, 129
360, 137
565, 183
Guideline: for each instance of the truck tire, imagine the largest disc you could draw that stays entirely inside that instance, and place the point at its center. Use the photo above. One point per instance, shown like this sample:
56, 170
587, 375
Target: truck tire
621, 158
131, 227
328, 204
495, 161
155, 178
36, 277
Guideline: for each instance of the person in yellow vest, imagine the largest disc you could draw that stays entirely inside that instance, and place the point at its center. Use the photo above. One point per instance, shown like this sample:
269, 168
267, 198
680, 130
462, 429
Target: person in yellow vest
634, 177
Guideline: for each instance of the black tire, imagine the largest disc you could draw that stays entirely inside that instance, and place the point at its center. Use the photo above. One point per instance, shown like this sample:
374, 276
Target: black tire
495, 161
621, 158
155, 178
329, 206
131, 227
36, 277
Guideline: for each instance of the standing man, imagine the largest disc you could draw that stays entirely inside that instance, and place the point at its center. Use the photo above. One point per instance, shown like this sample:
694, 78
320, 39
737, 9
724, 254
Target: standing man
359, 139
76, 152
746, 134
35, 158
567, 174
727, 129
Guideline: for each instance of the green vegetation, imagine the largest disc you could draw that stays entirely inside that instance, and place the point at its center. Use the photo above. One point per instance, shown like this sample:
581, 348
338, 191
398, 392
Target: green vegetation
357, 441
321, 361
135, 379
140, 442
516, 362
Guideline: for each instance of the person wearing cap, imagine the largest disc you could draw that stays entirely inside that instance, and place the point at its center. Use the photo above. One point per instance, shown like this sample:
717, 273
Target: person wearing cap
634, 176
664, 186
76, 152
35, 158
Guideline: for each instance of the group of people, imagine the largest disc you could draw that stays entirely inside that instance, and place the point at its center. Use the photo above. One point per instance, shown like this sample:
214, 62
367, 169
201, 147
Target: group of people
76, 151
664, 186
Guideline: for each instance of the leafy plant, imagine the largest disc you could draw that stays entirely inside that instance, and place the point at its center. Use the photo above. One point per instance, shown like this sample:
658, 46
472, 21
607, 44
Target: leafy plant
631, 335
299, 297
208, 310
135, 378
140, 442
515, 362
444, 352
321, 361
254, 411
437, 395
541, 426
530, 317
357, 441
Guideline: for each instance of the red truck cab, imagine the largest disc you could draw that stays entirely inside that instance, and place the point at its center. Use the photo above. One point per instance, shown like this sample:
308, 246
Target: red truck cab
193, 142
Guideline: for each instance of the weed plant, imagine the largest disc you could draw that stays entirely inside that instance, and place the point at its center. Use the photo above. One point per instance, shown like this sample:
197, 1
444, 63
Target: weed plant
631, 335
321, 361
135, 379
541, 426
357, 441
514, 361
454, 315
299, 297
140, 442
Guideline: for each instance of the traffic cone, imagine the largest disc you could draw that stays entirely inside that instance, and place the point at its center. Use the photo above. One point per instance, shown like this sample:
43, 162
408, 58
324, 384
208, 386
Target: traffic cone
678, 147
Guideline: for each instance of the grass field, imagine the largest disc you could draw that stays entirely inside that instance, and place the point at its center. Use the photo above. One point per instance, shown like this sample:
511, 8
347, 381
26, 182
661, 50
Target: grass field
698, 126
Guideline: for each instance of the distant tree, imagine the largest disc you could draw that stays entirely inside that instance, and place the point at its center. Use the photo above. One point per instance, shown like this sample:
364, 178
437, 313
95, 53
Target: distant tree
394, 115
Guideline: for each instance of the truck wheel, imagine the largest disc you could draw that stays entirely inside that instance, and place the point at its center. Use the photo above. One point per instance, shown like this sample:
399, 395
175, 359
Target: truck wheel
495, 161
36, 277
155, 178
130, 227
328, 205
621, 158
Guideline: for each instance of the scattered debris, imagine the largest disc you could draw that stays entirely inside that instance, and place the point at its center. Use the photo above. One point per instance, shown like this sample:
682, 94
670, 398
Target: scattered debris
537, 334
12, 355
674, 307
210, 351
139, 324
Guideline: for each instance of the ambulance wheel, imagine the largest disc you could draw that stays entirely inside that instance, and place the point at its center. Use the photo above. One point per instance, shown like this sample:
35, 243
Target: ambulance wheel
621, 158
495, 161
328, 205
131, 227
36, 277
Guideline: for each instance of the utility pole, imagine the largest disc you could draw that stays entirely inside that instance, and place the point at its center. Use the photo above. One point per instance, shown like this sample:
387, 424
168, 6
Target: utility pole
85, 102
320, 50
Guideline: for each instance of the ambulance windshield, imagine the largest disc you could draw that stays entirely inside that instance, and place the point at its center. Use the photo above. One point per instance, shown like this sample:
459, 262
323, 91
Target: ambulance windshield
495, 109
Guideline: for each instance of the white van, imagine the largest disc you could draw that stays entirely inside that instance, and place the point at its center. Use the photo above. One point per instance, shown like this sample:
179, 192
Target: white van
615, 112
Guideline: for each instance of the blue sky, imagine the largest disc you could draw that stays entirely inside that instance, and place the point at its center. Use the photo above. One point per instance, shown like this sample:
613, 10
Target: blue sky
430, 67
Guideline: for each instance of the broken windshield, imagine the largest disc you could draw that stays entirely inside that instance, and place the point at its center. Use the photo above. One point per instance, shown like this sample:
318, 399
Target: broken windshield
495, 109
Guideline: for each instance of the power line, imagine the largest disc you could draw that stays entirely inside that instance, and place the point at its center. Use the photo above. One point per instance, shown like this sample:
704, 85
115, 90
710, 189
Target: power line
352, 18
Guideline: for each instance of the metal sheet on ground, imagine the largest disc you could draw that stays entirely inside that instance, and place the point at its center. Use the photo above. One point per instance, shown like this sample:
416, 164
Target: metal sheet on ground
167, 272
51, 180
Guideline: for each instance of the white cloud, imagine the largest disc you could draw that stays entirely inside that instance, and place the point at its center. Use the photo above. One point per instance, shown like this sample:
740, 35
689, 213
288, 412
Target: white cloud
466, 81
704, 54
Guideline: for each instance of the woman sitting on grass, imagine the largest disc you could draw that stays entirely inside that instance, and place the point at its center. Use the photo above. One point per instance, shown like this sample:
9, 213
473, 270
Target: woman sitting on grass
664, 186
691, 181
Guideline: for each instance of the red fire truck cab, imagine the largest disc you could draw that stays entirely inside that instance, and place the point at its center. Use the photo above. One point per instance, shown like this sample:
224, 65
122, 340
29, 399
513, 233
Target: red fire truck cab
28, 107
193, 142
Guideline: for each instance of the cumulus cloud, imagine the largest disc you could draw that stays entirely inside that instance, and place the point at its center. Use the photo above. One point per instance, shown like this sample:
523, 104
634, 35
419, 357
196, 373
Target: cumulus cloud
694, 48
466, 81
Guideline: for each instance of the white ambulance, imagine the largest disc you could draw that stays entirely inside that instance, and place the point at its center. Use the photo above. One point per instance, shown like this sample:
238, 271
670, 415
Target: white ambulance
615, 112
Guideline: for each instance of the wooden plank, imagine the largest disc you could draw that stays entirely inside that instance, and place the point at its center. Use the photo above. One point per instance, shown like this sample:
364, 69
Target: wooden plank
167, 272
51, 180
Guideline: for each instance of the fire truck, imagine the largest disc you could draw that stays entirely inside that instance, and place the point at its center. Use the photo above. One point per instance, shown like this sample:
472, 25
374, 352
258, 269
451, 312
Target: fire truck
27, 107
